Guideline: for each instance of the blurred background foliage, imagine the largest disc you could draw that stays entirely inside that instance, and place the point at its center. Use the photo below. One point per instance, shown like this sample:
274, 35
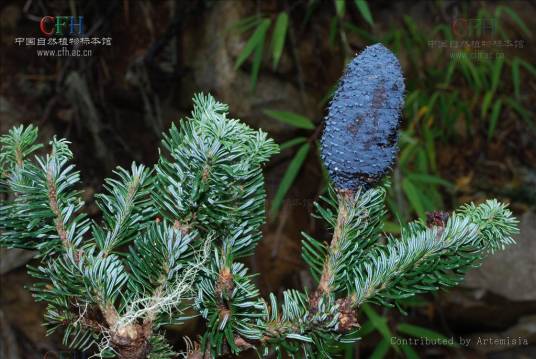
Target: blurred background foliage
468, 131
442, 90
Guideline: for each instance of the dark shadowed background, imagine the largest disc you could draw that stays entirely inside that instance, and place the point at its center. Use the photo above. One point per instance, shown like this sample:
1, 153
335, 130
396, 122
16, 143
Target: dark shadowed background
468, 133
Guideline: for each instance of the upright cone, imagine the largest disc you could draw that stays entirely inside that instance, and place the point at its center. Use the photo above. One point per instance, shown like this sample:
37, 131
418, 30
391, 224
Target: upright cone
359, 143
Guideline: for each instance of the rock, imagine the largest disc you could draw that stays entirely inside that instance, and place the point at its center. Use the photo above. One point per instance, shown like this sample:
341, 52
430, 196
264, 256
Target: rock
496, 295
515, 353
511, 273
13, 258
476, 310
519, 336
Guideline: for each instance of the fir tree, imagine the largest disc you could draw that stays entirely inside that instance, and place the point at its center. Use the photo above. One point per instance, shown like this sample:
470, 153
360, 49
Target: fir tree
172, 239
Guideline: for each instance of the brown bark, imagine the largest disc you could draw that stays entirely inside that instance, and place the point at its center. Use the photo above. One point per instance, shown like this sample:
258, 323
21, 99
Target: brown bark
133, 344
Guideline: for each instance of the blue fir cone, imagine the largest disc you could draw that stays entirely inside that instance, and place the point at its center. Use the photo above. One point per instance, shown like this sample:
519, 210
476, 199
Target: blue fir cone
360, 140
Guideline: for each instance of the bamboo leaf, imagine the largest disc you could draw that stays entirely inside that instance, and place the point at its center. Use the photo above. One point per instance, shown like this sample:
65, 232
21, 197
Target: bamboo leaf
333, 26
278, 37
348, 351
515, 17
391, 227
528, 67
516, 106
256, 63
368, 36
256, 40
291, 118
430, 179
379, 322
288, 177
366, 329
328, 95
496, 73
364, 10
450, 71
516, 74
381, 349
409, 352
291, 143
244, 24
420, 332
414, 197
486, 101
473, 71
340, 8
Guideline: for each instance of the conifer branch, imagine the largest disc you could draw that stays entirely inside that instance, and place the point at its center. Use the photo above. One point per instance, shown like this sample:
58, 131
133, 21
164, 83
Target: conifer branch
17, 145
326, 279
53, 202
124, 208
426, 258
186, 224
356, 220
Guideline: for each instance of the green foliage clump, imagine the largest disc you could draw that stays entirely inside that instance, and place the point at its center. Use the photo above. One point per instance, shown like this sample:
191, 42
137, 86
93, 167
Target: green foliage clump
171, 237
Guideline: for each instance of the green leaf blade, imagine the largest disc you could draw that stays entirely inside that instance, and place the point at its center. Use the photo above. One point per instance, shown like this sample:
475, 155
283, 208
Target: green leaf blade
289, 177
340, 8
256, 40
292, 143
414, 197
291, 118
381, 350
364, 10
420, 332
278, 37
